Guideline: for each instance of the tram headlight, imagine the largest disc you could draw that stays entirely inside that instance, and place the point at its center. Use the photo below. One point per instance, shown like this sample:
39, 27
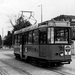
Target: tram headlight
61, 54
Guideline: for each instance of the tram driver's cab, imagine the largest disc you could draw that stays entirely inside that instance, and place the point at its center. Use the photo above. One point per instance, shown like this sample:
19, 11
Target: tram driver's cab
61, 43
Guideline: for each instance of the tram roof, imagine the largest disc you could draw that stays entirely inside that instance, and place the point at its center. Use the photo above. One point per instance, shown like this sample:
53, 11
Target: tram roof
44, 24
55, 23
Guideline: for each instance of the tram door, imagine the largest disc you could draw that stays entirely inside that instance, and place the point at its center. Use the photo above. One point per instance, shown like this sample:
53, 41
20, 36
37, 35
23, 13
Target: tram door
22, 46
43, 41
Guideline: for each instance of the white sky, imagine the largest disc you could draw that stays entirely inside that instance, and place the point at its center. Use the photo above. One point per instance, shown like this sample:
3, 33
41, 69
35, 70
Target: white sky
51, 9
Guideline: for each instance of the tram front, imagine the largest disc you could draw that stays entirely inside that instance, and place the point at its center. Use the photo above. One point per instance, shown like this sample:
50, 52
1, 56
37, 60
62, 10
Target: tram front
60, 43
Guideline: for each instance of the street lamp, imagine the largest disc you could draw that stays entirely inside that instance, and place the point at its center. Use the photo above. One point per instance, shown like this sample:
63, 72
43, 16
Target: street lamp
41, 11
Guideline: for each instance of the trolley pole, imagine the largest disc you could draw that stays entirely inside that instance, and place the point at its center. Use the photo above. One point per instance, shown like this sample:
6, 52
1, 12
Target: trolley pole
41, 12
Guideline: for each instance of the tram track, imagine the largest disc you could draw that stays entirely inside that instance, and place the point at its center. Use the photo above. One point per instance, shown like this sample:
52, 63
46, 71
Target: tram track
22, 71
60, 72
3, 72
14, 64
17, 68
54, 69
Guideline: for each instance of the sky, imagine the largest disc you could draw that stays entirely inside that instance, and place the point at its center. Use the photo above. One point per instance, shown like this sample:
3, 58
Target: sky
50, 9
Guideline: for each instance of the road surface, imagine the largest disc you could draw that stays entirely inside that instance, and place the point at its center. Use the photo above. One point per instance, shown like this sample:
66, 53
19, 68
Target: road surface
11, 66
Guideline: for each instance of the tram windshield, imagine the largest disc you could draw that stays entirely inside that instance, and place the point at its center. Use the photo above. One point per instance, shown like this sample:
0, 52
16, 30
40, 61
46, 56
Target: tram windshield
58, 35
61, 35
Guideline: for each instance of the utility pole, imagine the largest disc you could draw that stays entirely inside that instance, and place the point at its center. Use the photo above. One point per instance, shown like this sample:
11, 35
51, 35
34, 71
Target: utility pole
41, 12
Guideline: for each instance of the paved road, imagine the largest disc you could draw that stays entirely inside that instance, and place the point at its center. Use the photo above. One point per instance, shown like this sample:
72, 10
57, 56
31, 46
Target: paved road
10, 66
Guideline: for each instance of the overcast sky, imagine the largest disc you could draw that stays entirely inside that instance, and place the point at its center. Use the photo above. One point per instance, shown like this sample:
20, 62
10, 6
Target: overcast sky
51, 9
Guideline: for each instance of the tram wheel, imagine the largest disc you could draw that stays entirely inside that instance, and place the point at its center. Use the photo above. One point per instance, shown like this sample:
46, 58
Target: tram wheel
58, 64
53, 64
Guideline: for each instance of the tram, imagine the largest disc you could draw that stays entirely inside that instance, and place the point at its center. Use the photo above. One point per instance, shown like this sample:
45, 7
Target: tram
49, 41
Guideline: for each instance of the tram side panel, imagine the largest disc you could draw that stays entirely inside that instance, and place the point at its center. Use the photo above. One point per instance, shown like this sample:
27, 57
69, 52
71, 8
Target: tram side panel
38, 51
45, 52
48, 52
31, 50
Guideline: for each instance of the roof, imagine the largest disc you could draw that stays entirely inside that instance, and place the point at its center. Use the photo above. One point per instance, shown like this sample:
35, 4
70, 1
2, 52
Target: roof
64, 17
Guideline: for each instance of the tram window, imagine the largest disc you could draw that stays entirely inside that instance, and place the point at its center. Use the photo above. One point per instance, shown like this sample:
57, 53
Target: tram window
61, 35
18, 39
49, 36
15, 39
52, 35
30, 38
35, 37
26, 38
43, 36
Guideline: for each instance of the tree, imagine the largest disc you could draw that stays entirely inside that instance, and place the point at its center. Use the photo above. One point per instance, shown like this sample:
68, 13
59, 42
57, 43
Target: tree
22, 21
8, 39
